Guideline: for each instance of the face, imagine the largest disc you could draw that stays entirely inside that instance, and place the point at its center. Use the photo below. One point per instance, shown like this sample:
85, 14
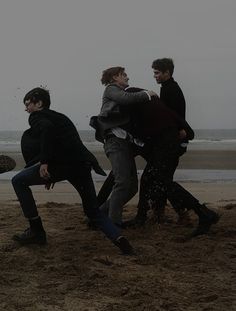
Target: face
161, 76
31, 107
121, 79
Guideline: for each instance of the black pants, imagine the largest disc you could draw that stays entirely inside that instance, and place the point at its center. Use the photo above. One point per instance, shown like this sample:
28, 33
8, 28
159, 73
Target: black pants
157, 179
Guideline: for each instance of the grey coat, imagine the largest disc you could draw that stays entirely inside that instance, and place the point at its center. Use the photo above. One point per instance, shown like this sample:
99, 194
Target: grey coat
111, 114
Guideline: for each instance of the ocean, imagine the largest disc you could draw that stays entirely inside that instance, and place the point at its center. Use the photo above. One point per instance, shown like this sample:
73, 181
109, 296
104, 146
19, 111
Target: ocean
217, 139
221, 139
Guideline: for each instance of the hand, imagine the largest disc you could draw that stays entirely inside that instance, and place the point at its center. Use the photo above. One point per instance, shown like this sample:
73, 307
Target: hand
152, 93
49, 185
43, 171
182, 134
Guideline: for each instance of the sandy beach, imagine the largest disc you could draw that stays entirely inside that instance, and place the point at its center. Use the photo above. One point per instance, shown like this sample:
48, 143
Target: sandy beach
80, 270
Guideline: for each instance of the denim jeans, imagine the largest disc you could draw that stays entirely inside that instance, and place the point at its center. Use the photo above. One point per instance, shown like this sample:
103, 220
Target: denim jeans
80, 177
119, 152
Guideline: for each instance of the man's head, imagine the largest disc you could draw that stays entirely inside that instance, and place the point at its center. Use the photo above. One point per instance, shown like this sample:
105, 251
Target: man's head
115, 75
37, 99
163, 69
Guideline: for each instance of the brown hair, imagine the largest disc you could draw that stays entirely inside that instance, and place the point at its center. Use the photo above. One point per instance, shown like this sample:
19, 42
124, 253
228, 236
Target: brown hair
37, 94
109, 73
164, 64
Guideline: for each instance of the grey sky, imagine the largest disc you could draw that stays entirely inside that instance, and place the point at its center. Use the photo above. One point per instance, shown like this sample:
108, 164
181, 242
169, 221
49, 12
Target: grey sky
66, 45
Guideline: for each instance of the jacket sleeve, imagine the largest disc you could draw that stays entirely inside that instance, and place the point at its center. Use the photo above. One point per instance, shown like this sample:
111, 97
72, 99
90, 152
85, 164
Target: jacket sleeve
122, 97
47, 135
183, 124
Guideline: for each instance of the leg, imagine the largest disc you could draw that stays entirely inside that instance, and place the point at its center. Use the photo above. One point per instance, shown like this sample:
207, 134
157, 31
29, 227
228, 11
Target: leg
106, 189
21, 184
186, 200
120, 154
83, 183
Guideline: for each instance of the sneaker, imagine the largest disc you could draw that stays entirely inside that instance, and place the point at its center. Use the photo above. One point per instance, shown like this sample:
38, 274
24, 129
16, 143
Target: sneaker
6, 164
124, 245
30, 237
205, 223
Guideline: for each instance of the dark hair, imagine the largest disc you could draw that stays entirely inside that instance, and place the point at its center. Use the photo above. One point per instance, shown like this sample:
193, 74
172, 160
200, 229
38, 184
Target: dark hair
109, 73
164, 64
37, 94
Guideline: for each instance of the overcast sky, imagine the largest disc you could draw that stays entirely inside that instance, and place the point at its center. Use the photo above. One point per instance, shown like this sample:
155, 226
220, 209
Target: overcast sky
66, 45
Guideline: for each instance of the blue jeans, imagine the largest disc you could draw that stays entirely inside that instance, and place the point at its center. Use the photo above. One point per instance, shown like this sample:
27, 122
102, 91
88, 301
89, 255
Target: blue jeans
80, 177
120, 153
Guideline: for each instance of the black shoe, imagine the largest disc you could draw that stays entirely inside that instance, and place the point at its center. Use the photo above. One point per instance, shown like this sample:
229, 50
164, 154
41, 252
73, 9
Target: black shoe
205, 222
124, 245
30, 237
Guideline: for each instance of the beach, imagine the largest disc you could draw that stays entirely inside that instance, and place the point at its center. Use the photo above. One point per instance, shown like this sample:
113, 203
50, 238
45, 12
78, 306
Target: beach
80, 270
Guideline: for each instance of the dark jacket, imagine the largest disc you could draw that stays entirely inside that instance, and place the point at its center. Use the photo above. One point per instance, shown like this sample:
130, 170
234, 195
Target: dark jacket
172, 96
53, 139
151, 119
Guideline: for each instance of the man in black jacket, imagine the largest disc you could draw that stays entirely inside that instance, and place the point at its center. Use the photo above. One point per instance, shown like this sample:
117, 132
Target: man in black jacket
57, 154
162, 131
172, 96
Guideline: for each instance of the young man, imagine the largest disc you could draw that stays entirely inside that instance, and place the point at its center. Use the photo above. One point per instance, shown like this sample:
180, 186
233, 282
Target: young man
163, 130
58, 154
113, 126
172, 96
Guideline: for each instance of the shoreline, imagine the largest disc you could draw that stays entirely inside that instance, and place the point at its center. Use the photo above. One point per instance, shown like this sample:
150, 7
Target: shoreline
193, 159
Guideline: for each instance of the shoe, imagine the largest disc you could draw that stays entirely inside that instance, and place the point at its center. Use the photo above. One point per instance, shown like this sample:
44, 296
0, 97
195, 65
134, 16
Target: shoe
31, 237
124, 245
6, 164
205, 222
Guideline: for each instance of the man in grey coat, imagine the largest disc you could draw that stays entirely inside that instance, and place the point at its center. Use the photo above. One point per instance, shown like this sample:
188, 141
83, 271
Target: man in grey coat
112, 126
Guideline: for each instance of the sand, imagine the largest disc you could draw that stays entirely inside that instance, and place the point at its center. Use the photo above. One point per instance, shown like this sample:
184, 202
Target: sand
80, 270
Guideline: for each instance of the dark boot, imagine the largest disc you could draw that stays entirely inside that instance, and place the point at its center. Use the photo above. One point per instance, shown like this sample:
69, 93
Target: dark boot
35, 234
124, 245
207, 218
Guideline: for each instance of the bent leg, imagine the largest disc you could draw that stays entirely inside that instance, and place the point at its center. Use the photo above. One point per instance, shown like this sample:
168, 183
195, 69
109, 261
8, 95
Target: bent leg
83, 183
21, 183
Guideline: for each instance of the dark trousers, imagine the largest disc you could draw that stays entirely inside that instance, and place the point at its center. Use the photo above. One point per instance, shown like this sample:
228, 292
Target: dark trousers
157, 179
146, 153
79, 177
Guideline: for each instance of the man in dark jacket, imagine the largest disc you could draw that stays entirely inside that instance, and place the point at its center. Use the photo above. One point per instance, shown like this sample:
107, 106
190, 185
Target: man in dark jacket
172, 96
57, 154
162, 131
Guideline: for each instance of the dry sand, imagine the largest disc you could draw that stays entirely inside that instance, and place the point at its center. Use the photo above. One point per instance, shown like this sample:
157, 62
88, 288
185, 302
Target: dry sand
81, 270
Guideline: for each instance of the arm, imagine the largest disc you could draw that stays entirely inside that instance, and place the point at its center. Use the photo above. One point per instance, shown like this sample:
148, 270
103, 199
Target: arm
174, 99
47, 134
122, 97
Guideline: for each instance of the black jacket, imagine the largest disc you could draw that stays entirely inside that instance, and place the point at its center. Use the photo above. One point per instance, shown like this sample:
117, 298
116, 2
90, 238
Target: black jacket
53, 139
172, 96
152, 119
